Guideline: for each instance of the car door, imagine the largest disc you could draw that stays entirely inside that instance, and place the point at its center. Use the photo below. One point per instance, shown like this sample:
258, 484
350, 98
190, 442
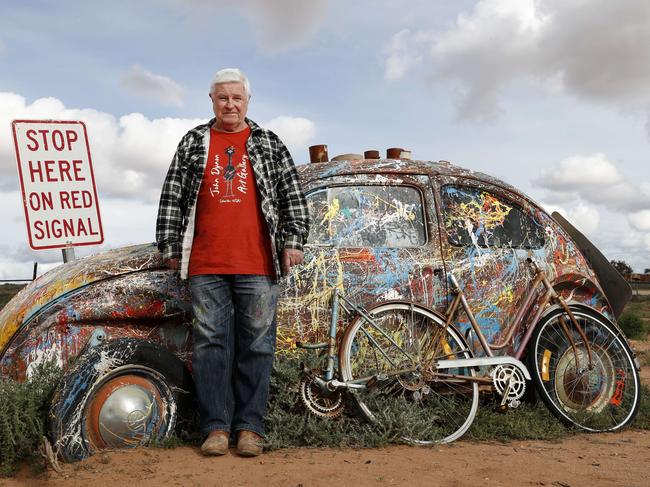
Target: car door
375, 238
487, 235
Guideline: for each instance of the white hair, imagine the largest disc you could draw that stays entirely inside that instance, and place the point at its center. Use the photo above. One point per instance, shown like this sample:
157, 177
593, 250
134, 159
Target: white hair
229, 75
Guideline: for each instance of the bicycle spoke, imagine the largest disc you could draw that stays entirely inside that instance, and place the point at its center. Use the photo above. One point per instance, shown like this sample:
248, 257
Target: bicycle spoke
600, 396
427, 409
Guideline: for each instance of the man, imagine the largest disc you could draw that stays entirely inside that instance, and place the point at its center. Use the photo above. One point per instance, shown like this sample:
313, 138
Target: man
233, 218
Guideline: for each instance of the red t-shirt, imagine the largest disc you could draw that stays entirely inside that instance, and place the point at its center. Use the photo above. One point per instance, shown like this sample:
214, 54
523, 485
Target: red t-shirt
230, 233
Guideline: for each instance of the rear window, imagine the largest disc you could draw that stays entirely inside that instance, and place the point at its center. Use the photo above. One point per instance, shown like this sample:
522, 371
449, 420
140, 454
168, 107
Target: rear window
367, 216
475, 217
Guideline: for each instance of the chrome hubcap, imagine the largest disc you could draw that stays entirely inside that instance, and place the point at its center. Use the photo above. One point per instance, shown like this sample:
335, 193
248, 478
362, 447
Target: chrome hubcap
126, 416
126, 411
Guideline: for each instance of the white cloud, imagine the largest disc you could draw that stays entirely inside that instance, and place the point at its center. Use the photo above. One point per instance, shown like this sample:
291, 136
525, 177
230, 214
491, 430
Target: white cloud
582, 216
487, 48
140, 82
593, 49
585, 218
579, 184
580, 171
280, 24
24, 270
295, 132
401, 55
594, 179
130, 154
640, 220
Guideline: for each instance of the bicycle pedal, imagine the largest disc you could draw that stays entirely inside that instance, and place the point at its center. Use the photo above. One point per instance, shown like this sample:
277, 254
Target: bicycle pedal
501, 408
514, 404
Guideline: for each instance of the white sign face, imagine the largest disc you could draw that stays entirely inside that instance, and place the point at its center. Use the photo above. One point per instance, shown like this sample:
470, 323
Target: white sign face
57, 182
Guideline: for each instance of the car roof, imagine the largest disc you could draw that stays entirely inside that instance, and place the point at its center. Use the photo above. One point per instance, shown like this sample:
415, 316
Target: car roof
319, 170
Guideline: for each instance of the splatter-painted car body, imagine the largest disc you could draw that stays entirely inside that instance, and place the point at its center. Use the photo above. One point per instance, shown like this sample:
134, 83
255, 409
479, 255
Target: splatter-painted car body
381, 230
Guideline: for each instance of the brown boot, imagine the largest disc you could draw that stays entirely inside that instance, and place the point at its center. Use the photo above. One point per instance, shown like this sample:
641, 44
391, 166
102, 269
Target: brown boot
216, 443
249, 444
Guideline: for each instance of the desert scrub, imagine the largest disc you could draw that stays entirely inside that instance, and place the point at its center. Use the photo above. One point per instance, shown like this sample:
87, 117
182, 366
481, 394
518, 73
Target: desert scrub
289, 424
23, 412
632, 325
642, 420
527, 422
8, 291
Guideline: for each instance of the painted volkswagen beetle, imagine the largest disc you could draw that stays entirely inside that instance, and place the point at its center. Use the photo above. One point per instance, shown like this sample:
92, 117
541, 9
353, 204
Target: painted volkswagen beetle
119, 323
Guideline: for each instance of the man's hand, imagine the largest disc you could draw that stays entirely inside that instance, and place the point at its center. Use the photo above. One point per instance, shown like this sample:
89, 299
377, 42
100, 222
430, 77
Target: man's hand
290, 257
173, 264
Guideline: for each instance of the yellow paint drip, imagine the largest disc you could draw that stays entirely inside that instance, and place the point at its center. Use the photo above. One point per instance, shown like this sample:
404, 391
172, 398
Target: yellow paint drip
447, 349
488, 211
329, 216
506, 296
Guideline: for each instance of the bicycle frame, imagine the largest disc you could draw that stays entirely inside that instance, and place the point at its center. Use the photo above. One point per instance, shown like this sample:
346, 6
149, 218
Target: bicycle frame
340, 301
549, 296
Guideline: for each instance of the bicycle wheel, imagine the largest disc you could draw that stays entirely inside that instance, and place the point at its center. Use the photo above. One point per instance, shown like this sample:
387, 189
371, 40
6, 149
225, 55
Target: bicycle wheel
405, 395
604, 397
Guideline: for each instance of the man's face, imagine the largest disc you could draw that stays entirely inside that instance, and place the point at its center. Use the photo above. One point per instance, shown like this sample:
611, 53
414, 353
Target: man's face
230, 104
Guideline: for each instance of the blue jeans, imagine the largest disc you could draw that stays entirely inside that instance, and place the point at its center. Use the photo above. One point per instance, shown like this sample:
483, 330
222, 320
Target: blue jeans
234, 345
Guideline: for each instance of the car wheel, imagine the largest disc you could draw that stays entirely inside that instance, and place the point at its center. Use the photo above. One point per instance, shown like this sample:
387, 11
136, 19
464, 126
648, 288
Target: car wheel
121, 394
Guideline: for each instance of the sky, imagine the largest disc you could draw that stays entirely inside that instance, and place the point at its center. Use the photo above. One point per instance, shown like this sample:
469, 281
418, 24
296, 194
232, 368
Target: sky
551, 96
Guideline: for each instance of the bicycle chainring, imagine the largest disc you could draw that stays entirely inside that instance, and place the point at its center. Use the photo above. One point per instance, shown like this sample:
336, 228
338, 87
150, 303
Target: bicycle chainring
319, 404
510, 383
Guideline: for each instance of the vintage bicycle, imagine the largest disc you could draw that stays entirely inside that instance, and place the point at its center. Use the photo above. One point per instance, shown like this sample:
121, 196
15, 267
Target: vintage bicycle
404, 358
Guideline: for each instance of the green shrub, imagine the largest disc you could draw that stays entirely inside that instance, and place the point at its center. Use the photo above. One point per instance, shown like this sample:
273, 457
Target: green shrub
289, 424
632, 325
527, 422
642, 420
23, 412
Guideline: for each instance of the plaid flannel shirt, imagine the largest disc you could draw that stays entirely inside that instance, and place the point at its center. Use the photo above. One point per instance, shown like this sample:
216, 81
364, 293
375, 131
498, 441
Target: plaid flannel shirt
282, 200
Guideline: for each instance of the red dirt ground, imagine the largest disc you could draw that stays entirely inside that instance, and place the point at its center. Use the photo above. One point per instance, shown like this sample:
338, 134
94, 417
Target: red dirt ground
619, 459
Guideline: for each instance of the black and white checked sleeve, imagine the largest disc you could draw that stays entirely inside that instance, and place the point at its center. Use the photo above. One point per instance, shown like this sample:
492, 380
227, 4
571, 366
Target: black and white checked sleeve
292, 205
169, 224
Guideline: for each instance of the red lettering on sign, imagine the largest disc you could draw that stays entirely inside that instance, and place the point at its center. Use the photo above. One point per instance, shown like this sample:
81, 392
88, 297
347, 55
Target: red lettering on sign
30, 135
77, 170
40, 201
75, 199
64, 198
38, 230
48, 171
70, 136
43, 133
37, 170
59, 141
68, 227
64, 170
56, 171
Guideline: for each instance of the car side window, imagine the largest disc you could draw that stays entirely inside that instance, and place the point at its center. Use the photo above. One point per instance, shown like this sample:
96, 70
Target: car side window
367, 216
475, 217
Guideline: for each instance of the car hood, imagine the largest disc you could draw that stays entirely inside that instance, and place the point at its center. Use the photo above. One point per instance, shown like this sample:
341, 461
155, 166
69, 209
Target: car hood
69, 277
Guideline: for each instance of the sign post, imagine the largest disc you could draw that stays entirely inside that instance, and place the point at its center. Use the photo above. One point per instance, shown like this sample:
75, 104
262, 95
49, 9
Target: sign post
57, 184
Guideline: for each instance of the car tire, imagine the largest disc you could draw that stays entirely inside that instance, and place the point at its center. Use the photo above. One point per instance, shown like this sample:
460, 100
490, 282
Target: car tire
120, 394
